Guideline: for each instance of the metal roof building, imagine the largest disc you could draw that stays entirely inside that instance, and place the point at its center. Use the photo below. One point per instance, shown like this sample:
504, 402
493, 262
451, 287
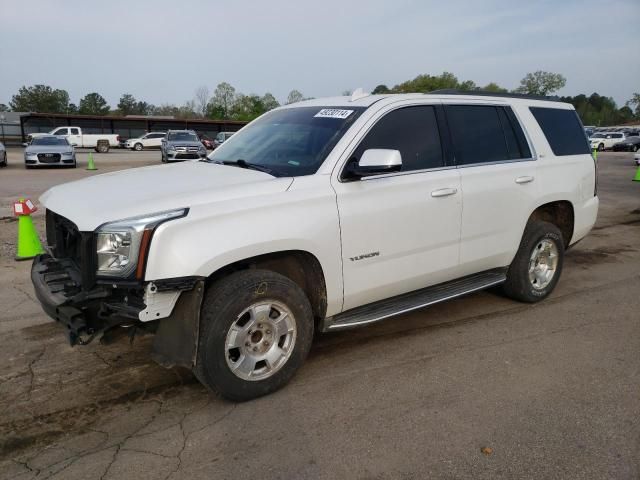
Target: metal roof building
127, 127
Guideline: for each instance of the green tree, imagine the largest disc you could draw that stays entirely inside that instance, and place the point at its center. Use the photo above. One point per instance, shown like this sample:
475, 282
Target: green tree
468, 86
269, 102
93, 104
40, 98
72, 108
427, 83
294, 96
541, 83
635, 104
127, 104
380, 89
494, 87
222, 101
247, 107
4, 108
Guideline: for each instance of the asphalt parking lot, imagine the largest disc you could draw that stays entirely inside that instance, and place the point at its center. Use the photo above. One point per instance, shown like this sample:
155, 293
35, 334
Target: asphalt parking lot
478, 387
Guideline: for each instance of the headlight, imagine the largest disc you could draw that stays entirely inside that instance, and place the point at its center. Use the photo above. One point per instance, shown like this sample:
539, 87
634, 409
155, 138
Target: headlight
67, 153
122, 246
171, 148
31, 154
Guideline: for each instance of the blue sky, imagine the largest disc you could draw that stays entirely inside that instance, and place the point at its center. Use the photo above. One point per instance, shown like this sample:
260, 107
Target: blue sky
161, 51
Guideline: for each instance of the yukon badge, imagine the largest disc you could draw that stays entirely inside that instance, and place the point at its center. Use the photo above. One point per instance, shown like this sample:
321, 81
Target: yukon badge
365, 255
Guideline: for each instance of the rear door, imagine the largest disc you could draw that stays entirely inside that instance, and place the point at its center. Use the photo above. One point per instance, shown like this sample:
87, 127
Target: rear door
400, 231
498, 177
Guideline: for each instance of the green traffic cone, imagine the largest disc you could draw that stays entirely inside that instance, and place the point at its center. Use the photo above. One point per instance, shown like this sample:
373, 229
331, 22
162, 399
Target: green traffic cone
595, 153
637, 177
28, 241
91, 165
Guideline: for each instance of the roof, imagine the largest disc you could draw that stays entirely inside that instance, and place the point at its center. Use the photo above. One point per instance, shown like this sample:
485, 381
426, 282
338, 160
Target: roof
480, 96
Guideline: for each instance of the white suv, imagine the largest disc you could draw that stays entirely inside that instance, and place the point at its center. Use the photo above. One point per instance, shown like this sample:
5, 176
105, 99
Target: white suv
605, 140
319, 216
150, 140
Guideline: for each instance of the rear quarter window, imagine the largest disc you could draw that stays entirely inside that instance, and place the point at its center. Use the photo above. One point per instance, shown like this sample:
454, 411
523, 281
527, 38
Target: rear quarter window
563, 130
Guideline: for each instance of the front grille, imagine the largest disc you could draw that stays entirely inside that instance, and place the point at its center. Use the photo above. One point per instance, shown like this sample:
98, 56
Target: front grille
187, 149
49, 157
187, 156
67, 242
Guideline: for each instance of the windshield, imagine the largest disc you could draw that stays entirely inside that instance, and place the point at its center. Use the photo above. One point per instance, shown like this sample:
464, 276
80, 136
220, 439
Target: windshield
49, 141
182, 137
289, 142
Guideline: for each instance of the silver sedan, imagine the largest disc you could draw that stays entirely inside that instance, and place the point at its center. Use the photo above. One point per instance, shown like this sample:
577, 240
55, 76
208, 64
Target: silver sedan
49, 150
3, 155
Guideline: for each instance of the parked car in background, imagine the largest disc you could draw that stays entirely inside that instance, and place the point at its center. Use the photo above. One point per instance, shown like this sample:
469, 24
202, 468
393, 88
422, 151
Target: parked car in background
150, 140
49, 150
629, 144
182, 145
100, 142
206, 141
221, 138
3, 155
636, 157
606, 140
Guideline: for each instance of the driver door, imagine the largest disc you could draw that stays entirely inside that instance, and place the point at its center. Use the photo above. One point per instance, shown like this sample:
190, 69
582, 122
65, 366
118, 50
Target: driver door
400, 231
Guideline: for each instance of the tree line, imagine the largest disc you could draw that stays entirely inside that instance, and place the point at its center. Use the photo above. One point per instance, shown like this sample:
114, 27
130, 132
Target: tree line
225, 103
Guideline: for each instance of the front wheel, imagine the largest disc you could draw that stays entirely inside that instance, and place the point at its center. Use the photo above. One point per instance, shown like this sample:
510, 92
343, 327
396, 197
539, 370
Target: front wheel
4, 162
537, 266
634, 148
601, 147
137, 147
256, 331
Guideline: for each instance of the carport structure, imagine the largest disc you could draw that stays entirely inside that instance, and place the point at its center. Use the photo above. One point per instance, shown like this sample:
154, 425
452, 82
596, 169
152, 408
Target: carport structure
127, 127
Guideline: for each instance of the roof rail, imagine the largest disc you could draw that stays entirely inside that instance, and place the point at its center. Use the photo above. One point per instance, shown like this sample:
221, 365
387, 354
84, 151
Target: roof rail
483, 93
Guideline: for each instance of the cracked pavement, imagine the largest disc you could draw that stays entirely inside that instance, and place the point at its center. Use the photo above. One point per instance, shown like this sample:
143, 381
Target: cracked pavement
552, 389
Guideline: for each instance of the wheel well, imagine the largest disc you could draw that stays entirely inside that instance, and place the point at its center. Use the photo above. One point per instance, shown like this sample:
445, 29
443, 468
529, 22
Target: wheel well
560, 213
299, 266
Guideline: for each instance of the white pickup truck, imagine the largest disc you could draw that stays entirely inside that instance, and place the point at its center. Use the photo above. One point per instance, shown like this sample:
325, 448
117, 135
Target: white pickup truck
100, 142
319, 216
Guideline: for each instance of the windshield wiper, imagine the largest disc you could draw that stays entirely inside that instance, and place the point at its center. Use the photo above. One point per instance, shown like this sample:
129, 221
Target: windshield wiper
251, 166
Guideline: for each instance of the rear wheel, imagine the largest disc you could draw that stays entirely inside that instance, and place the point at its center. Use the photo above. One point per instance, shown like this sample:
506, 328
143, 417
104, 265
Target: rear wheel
4, 161
256, 331
537, 266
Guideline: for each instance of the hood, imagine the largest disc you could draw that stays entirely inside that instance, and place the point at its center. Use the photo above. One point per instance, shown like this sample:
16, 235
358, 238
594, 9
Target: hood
139, 191
48, 149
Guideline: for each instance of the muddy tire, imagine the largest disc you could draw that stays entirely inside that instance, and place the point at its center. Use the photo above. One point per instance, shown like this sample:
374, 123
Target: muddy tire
537, 266
102, 146
256, 329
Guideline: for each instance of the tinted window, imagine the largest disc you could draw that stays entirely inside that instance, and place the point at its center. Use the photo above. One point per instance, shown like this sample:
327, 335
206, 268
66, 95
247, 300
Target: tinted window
49, 141
477, 134
411, 130
616, 135
75, 131
562, 129
62, 131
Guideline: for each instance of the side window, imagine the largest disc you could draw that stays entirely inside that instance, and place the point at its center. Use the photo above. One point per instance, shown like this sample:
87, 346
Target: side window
563, 130
75, 131
477, 134
61, 131
513, 134
411, 130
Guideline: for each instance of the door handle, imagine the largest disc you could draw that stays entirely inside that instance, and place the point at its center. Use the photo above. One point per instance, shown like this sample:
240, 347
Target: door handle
444, 192
525, 179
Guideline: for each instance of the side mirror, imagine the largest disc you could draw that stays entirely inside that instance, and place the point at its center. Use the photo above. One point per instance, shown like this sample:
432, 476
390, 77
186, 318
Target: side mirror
375, 161
25, 144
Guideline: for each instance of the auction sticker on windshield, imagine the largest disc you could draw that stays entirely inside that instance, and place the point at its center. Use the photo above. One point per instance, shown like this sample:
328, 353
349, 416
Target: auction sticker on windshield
333, 113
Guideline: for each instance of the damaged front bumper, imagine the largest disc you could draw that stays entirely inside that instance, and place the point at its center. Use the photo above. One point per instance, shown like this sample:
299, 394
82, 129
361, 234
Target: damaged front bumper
101, 308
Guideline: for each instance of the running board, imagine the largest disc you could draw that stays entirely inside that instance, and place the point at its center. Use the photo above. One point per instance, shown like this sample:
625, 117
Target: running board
407, 302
